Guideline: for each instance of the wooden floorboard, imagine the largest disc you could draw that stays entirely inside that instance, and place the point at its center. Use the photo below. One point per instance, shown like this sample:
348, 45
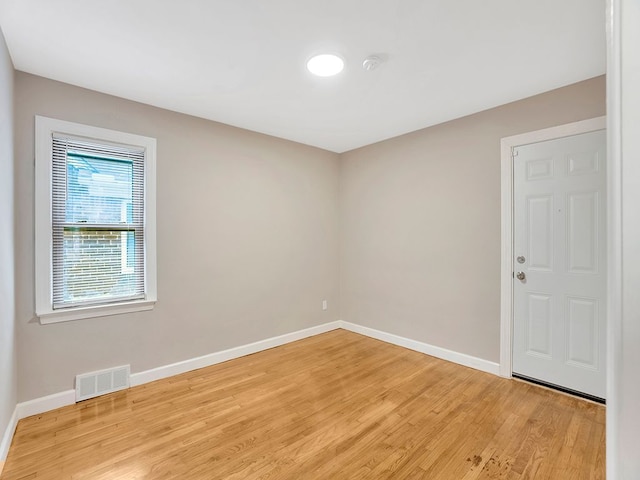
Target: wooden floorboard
334, 406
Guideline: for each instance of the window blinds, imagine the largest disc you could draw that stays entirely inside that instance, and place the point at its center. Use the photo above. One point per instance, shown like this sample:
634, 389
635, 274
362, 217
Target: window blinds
97, 222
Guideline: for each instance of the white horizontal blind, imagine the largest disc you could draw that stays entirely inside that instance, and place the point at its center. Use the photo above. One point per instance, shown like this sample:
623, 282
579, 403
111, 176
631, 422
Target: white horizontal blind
97, 222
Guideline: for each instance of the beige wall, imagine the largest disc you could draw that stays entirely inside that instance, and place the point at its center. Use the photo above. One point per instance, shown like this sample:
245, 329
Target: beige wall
249, 228
420, 223
8, 379
246, 232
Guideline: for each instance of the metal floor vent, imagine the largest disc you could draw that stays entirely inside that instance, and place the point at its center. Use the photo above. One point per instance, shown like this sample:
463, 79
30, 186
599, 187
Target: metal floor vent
94, 384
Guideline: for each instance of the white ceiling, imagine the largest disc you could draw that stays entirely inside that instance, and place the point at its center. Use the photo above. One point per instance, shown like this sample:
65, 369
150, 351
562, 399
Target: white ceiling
242, 62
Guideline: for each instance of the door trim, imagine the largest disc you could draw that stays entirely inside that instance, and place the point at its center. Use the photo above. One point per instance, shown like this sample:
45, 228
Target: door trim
507, 145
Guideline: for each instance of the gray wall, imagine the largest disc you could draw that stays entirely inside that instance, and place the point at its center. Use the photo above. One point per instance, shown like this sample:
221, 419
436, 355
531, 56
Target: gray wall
420, 223
623, 420
8, 378
246, 231
249, 228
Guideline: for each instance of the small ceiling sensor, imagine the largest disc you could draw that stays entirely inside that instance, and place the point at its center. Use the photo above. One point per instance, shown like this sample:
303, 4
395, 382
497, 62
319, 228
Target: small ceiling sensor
371, 62
325, 65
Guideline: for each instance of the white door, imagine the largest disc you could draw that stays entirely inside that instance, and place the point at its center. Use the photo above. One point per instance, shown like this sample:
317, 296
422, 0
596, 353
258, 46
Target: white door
559, 330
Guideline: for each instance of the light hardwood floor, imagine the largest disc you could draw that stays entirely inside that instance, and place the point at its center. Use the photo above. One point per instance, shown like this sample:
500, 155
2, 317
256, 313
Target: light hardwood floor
335, 406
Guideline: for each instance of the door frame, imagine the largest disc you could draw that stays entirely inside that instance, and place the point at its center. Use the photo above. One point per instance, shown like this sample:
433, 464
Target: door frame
507, 144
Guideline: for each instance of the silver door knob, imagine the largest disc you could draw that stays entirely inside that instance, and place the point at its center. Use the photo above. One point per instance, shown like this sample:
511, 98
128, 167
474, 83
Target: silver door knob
520, 276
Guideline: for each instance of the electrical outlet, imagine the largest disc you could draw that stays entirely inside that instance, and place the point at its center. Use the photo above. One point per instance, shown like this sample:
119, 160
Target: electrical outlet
324, 305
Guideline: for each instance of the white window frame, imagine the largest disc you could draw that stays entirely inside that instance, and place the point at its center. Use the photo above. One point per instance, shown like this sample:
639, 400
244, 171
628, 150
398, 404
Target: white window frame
45, 128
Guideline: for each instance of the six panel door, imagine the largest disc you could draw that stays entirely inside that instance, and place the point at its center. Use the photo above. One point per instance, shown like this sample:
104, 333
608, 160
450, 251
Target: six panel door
559, 331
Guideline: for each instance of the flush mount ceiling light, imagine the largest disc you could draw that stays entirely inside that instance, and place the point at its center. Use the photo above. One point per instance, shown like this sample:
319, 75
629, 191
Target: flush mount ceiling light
325, 65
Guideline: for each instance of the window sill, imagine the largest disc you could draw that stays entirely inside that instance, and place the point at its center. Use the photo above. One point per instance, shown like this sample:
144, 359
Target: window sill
79, 313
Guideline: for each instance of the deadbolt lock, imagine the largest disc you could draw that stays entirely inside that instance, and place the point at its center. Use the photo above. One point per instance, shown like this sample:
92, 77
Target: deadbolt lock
521, 259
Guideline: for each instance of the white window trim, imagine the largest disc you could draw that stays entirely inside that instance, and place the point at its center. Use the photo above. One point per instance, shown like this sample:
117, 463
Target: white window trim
45, 128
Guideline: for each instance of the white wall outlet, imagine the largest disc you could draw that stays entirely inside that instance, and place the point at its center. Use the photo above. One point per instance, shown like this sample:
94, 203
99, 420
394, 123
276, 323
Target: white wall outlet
324, 305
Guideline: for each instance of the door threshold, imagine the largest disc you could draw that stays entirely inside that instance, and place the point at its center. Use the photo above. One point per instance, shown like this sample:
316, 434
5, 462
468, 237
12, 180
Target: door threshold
552, 386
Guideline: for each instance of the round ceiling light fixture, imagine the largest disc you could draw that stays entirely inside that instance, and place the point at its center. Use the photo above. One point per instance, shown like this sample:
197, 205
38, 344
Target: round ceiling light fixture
325, 65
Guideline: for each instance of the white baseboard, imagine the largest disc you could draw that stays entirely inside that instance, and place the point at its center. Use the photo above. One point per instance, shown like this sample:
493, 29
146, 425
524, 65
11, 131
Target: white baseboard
68, 397
44, 404
33, 407
7, 437
438, 352
57, 400
225, 355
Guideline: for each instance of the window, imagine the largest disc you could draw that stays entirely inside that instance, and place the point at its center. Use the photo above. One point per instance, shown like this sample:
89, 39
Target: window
95, 221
